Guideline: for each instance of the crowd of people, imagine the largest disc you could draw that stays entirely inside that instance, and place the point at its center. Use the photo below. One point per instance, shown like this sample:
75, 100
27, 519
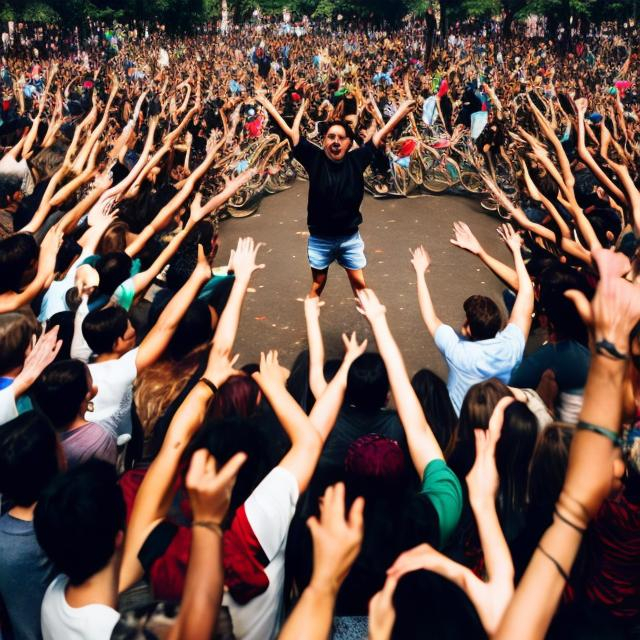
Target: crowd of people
150, 487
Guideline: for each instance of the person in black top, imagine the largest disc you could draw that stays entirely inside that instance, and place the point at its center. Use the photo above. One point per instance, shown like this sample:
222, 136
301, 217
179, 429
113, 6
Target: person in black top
336, 190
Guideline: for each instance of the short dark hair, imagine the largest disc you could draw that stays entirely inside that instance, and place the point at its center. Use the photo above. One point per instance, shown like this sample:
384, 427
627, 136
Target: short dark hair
9, 184
28, 457
563, 317
367, 382
483, 317
113, 268
324, 127
101, 328
60, 390
16, 332
78, 518
17, 254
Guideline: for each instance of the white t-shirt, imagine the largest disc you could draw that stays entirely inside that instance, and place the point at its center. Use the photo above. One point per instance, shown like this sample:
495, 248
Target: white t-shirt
269, 510
62, 622
114, 380
472, 361
54, 300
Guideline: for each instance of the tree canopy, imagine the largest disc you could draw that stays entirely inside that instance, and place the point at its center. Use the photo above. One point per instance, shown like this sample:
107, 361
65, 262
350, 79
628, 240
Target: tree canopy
195, 11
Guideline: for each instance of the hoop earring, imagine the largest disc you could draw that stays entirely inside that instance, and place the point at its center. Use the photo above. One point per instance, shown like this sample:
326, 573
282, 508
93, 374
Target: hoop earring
90, 406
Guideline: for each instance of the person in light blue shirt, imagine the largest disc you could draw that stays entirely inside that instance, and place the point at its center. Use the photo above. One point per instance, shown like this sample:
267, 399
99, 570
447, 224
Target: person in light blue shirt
482, 350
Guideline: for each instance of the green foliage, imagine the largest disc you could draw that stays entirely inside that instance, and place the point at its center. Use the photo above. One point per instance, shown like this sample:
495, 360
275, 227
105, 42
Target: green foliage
480, 8
179, 14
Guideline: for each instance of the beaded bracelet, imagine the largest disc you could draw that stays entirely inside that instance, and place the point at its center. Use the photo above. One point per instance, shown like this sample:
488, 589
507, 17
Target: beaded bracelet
601, 431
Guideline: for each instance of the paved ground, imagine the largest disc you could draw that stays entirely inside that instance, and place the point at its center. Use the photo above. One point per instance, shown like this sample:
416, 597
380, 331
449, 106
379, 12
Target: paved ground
273, 314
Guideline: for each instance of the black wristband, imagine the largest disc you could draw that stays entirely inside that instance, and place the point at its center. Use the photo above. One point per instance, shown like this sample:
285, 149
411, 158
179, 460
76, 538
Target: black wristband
608, 349
209, 384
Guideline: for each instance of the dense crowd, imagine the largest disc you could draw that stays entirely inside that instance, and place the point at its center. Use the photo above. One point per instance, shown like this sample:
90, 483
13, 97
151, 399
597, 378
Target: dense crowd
149, 486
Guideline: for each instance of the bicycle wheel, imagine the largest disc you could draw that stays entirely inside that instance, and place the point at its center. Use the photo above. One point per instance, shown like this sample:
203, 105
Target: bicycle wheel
489, 204
245, 205
436, 180
472, 182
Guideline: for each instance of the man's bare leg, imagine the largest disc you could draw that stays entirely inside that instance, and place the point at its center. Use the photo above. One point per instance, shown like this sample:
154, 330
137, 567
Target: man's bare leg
319, 281
356, 279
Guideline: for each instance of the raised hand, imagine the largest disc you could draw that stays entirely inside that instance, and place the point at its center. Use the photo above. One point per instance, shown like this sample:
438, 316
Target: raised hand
203, 268
464, 238
336, 539
512, 239
43, 353
352, 349
369, 305
102, 213
420, 260
220, 367
209, 489
312, 307
615, 308
243, 260
483, 479
382, 615
271, 370
196, 211
50, 247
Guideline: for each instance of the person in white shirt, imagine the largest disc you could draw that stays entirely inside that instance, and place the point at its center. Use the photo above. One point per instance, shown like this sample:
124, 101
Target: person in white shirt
79, 522
111, 336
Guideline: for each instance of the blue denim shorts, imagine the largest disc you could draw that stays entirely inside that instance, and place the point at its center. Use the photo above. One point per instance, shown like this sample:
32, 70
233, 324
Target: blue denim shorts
347, 250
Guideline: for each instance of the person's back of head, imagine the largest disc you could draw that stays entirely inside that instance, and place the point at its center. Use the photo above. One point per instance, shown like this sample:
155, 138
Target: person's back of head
113, 269
80, 518
193, 331
549, 464
10, 187
565, 321
223, 439
367, 383
104, 327
475, 413
16, 332
18, 254
483, 317
438, 409
513, 458
29, 458
61, 390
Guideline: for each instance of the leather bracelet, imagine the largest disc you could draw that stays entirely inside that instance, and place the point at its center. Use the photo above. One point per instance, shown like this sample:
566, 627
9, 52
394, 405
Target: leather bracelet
556, 564
609, 350
208, 524
601, 431
209, 384
573, 525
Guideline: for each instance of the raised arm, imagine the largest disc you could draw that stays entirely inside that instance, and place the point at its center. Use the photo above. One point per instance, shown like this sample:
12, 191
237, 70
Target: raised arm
403, 110
306, 443
209, 494
422, 444
523, 306
11, 300
325, 411
421, 261
158, 338
243, 264
464, 238
157, 490
317, 381
292, 133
